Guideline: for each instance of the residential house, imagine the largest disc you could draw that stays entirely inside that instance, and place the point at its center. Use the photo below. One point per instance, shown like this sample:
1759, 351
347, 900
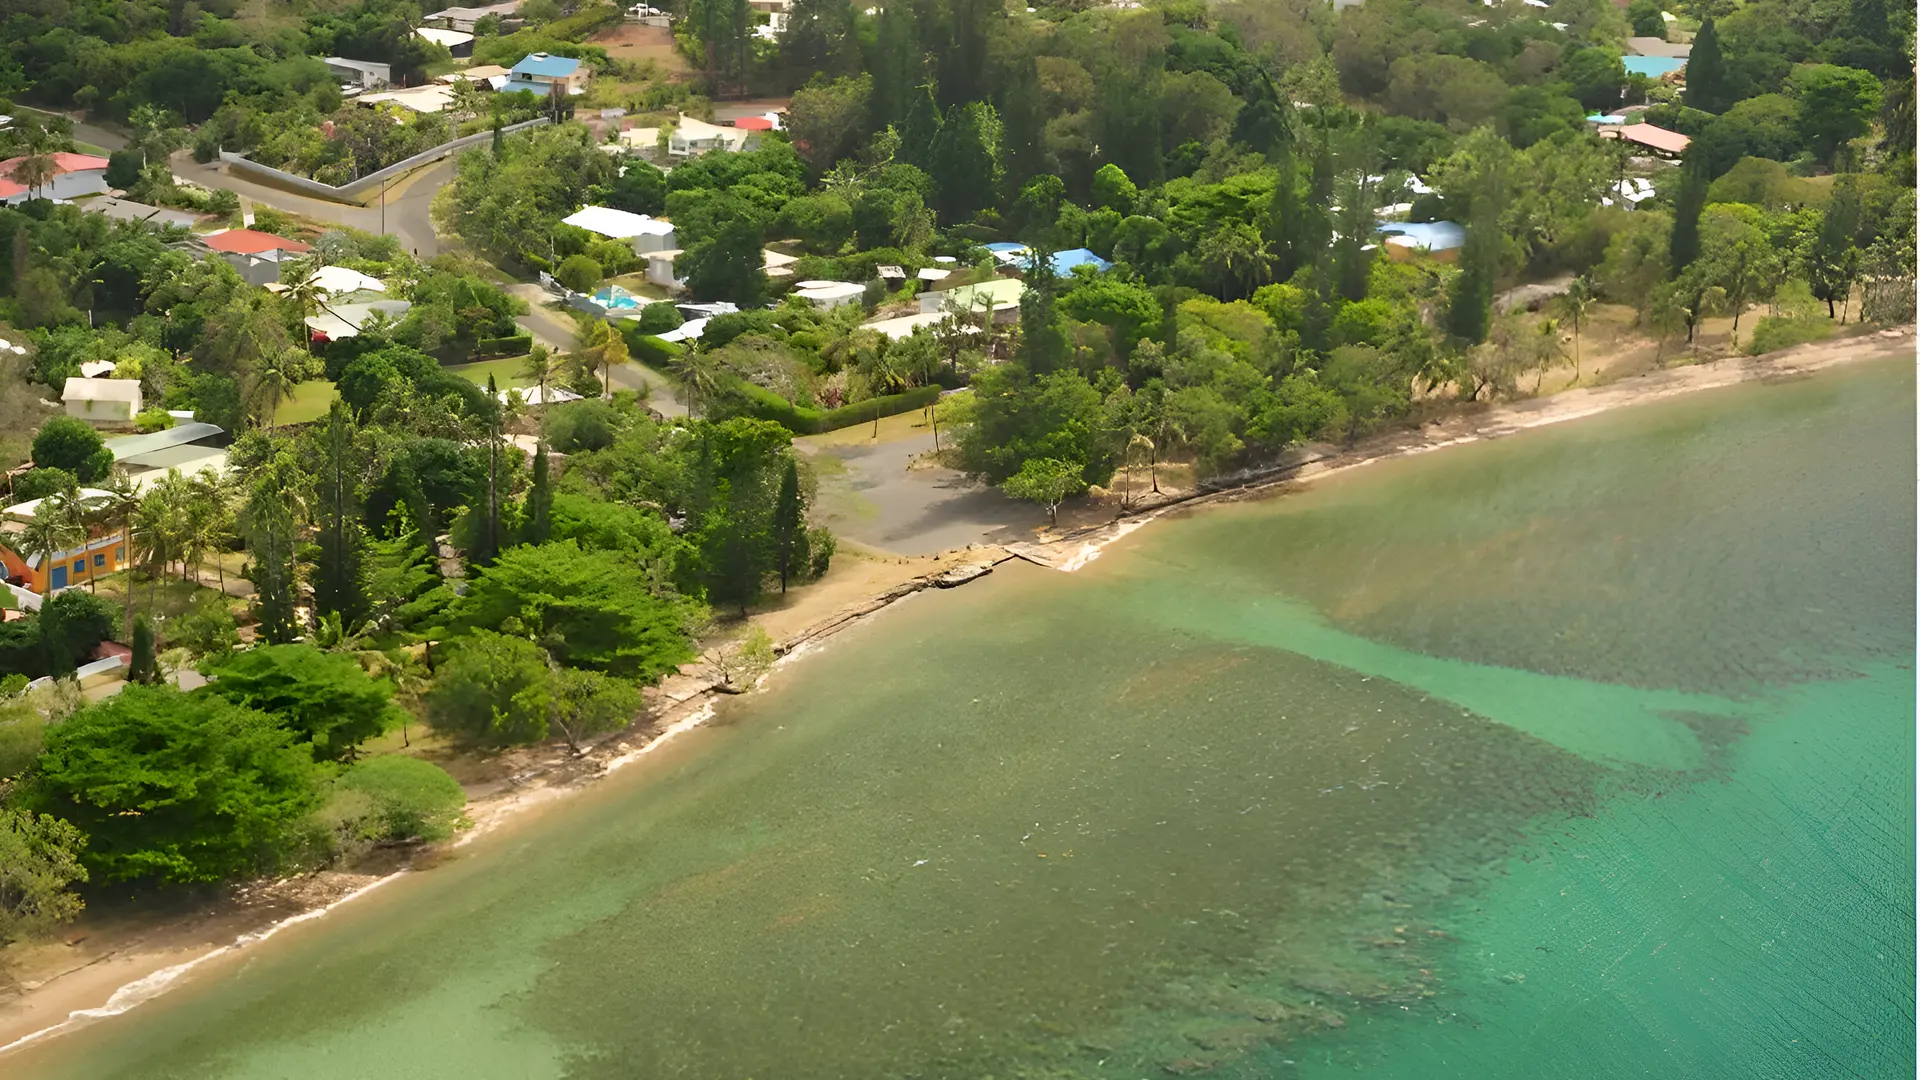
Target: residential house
1440, 239
465, 19
777, 264
359, 74
903, 326
647, 234
492, 76
337, 322
692, 138
127, 210
257, 255
827, 295
660, 269
74, 175
1662, 142
541, 72
103, 552
1064, 262
102, 401
457, 42
431, 98
1001, 296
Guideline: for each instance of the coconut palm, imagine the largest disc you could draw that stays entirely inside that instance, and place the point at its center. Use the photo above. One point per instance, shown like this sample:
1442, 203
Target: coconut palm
540, 367
701, 375
1577, 299
307, 298
55, 530
212, 517
272, 381
121, 502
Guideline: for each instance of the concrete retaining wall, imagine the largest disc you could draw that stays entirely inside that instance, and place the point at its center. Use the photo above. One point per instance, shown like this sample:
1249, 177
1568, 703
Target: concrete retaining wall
351, 193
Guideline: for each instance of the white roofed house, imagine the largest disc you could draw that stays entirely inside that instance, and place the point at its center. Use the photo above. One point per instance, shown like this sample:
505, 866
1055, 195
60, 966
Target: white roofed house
693, 137
457, 42
647, 234
362, 74
102, 401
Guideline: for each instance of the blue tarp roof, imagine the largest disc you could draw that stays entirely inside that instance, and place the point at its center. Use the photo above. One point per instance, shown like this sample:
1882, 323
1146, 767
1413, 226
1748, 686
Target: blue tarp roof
1652, 66
1432, 235
1065, 261
554, 67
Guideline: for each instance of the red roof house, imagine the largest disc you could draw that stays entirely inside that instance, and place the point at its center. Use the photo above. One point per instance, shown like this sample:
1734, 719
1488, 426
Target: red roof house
73, 175
252, 242
257, 255
753, 123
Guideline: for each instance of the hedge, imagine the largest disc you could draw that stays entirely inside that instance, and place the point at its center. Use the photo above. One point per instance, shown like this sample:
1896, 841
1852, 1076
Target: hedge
764, 404
646, 348
517, 345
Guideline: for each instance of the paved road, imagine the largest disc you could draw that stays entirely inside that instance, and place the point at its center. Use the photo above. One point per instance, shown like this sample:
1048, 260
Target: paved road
407, 212
555, 330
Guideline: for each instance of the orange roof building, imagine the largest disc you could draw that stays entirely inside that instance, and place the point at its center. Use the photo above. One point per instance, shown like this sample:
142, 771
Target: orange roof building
1657, 139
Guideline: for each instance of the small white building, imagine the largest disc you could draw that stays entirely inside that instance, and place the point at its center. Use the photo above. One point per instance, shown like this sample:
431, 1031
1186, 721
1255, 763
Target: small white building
457, 42
102, 401
647, 234
827, 295
364, 74
660, 269
692, 137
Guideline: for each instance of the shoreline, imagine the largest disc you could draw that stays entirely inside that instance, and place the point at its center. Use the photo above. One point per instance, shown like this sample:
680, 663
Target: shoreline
72, 995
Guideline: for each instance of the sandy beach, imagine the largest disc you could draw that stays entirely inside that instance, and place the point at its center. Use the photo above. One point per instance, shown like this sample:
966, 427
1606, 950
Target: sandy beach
111, 961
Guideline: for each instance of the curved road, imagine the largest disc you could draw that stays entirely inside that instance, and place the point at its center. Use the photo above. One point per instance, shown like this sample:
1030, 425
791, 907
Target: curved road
407, 214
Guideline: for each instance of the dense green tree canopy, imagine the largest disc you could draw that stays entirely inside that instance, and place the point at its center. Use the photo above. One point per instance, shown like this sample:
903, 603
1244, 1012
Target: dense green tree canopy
175, 787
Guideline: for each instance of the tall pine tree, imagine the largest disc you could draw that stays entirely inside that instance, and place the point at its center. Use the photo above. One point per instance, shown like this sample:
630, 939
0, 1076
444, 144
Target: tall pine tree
790, 524
1683, 246
337, 587
1707, 71
540, 499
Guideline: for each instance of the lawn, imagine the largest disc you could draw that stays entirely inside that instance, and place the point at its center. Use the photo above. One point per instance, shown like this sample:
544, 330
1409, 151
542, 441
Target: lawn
505, 372
638, 285
310, 402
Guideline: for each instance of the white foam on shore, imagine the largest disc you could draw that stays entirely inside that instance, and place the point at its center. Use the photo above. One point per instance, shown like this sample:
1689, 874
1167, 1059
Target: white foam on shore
153, 984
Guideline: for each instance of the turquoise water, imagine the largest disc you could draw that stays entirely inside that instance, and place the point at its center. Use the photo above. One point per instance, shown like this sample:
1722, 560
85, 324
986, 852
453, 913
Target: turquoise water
1587, 752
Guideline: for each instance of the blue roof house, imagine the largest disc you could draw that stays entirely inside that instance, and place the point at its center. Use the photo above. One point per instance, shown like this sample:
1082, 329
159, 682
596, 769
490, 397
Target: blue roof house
1065, 261
541, 72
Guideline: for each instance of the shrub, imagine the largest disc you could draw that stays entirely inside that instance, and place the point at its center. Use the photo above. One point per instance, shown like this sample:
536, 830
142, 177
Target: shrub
647, 349
517, 345
206, 631
151, 420
404, 799
40, 483
579, 273
1774, 333
70, 443
581, 425
658, 318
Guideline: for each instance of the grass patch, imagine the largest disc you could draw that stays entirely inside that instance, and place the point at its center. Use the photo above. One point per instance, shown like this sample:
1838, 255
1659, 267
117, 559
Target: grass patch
505, 372
310, 402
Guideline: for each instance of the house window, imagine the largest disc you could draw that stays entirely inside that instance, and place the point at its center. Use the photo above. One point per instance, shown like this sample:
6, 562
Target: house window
99, 561
79, 566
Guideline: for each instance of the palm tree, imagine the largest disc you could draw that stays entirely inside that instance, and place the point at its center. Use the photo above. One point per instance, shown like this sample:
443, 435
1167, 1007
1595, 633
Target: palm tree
307, 297
34, 171
600, 345
539, 367
272, 381
1578, 298
69, 507
120, 504
54, 530
701, 375
1546, 350
212, 517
